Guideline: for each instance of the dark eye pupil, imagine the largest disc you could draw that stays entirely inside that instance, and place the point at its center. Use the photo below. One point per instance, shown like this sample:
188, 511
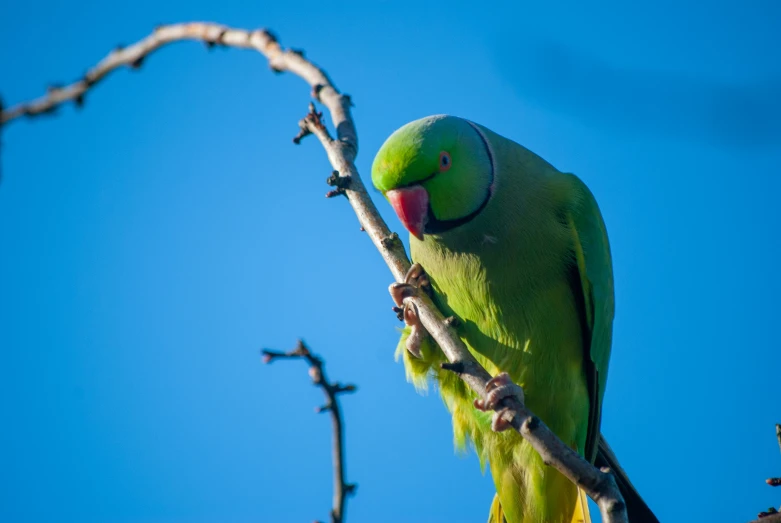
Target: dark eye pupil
445, 159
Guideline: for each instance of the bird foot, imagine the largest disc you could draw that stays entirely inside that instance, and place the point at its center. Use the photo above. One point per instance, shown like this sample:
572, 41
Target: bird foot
414, 281
497, 389
417, 277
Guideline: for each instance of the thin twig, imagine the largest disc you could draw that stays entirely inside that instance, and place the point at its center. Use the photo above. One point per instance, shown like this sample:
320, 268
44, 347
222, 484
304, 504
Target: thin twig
331, 390
771, 515
341, 151
133, 56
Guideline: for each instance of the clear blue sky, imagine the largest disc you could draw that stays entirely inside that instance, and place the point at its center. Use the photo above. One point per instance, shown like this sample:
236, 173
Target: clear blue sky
153, 242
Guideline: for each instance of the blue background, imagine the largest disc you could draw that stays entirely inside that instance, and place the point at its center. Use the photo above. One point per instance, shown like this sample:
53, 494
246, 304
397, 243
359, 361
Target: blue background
153, 242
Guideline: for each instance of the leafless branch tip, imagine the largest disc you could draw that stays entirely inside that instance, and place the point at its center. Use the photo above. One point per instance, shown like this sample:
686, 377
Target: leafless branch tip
331, 390
771, 515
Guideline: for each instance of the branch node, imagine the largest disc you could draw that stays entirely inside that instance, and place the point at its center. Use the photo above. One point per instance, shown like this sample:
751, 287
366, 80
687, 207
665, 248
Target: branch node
456, 366
302, 133
302, 350
342, 182
531, 423
314, 117
272, 36
335, 192
389, 242
309, 123
350, 488
322, 408
348, 99
316, 91
137, 63
616, 506
452, 321
89, 79
316, 374
341, 389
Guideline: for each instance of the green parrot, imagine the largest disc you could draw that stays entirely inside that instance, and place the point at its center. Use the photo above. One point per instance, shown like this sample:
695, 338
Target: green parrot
517, 252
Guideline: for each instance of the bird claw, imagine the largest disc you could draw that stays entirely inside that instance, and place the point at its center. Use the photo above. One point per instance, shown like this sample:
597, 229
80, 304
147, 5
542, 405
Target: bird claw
417, 277
414, 280
417, 333
498, 423
399, 313
401, 291
497, 389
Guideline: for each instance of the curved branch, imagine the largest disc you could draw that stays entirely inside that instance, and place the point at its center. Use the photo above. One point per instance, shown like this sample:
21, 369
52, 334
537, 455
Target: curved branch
211, 34
331, 390
341, 151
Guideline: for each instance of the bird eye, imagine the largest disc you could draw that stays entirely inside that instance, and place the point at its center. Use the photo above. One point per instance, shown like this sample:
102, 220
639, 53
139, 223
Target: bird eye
444, 161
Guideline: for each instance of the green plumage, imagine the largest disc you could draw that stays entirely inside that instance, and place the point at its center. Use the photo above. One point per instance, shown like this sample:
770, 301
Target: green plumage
529, 275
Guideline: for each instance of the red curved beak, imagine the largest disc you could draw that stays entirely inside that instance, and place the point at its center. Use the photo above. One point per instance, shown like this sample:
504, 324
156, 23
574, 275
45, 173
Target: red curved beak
411, 206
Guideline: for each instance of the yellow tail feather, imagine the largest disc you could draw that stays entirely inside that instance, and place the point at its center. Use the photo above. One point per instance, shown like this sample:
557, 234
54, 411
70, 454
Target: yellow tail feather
581, 509
581, 514
496, 515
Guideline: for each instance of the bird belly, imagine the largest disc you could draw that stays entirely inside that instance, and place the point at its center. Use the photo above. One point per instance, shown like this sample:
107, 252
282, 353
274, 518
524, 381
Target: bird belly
534, 334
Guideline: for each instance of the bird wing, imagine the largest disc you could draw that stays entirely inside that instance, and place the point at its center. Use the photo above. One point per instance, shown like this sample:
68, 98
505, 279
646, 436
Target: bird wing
594, 274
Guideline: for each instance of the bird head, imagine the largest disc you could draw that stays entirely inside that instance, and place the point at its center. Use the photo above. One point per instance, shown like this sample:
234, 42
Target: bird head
436, 172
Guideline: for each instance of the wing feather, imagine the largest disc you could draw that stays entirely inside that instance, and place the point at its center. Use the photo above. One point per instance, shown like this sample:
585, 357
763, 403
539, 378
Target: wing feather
595, 271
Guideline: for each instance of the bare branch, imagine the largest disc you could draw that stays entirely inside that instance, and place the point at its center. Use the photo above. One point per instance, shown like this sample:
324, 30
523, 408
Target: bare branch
331, 390
211, 34
341, 151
